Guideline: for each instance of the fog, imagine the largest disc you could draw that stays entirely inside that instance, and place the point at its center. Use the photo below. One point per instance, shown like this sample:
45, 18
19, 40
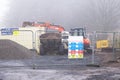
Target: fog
92, 14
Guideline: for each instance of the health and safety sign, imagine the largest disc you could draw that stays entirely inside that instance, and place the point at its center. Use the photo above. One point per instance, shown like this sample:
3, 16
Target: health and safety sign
75, 47
9, 31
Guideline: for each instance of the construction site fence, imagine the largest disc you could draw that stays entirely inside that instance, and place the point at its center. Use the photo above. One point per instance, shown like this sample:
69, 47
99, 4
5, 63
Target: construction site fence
30, 39
106, 45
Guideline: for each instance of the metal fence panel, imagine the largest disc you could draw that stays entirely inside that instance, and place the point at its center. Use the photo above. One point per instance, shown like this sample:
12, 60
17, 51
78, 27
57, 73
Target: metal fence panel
55, 52
106, 46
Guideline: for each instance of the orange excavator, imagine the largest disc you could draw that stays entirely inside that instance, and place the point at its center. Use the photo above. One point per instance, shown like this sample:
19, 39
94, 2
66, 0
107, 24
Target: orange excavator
50, 42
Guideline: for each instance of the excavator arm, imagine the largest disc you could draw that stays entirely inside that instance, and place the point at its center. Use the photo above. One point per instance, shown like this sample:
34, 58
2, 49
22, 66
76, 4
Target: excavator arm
50, 26
44, 24
56, 27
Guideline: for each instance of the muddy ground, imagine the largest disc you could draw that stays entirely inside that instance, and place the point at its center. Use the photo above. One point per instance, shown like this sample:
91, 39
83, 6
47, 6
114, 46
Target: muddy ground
57, 68
18, 63
107, 73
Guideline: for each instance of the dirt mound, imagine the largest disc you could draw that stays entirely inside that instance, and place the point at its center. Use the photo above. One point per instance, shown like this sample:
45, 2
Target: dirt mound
12, 50
107, 59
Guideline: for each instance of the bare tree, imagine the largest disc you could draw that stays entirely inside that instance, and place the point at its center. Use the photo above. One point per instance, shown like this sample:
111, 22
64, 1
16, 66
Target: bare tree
104, 14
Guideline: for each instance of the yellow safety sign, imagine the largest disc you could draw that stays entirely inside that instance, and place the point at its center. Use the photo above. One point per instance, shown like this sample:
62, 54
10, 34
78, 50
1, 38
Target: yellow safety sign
15, 32
102, 44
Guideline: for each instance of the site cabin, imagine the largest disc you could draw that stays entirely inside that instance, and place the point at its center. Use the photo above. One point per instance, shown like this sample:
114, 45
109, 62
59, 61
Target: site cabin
25, 36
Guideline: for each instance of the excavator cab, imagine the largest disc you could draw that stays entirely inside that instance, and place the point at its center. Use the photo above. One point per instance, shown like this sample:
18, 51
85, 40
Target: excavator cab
86, 41
78, 32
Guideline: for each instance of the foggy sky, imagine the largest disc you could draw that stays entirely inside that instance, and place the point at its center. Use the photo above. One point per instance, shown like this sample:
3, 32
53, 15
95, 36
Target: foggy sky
63, 12
67, 13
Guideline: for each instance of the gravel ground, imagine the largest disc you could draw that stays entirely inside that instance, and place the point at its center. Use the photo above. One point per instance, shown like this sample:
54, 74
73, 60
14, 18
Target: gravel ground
49, 62
55, 68
48, 74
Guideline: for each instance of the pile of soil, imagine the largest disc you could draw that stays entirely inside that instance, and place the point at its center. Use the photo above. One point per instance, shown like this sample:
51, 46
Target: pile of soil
107, 59
11, 50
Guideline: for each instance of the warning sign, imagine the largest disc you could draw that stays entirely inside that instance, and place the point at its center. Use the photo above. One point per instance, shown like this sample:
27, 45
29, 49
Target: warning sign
15, 32
75, 47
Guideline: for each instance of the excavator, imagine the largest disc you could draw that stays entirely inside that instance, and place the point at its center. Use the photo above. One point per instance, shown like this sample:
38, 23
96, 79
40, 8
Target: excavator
50, 42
